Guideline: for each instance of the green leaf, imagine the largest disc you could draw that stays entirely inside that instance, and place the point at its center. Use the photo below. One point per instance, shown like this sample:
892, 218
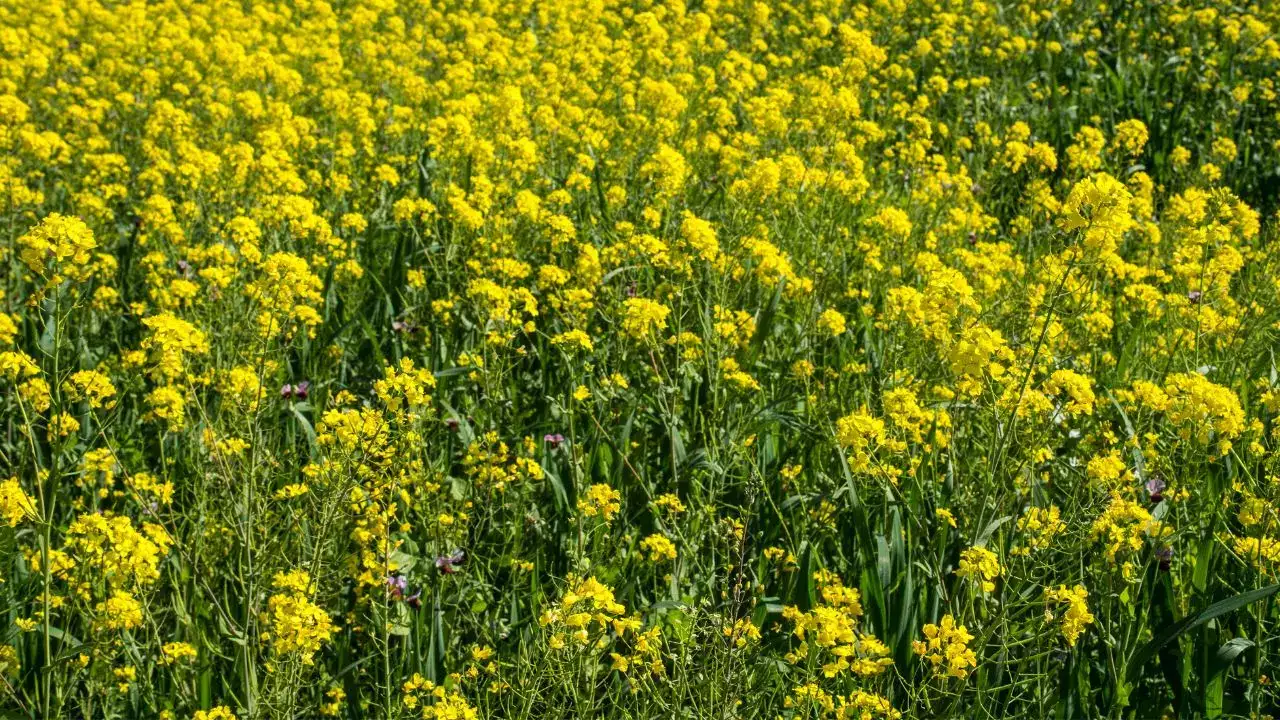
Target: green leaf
679, 622
602, 463
990, 530
1139, 462
374, 345
466, 434
906, 617
1217, 680
402, 561
884, 567
1191, 622
307, 429
557, 487
64, 636
436, 652
861, 527
399, 625
1228, 653
866, 545
806, 594
764, 324
1160, 614
1204, 559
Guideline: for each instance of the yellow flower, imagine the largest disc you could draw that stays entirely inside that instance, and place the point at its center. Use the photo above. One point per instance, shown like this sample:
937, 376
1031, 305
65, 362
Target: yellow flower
1107, 470
1130, 137
15, 504
1041, 525
742, 632
1098, 205
1076, 615
1202, 409
643, 317
59, 243
294, 581
659, 548
945, 516
296, 626
170, 343
121, 611
92, 386
601, 500
177, 652
221, 712
168, 404
63, 425
1077, 387
10, 662
832, 322
946, 648
669, 502
287, 293
110, 547
573, 339
978, 563
736, 376
8, 328
700, 236
860, 434
1124, 528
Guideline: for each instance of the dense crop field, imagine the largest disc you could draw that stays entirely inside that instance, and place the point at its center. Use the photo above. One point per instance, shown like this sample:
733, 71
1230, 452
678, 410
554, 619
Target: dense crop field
631, 359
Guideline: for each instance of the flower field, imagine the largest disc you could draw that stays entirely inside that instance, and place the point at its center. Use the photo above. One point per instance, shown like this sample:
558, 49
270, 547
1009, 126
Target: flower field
634, 359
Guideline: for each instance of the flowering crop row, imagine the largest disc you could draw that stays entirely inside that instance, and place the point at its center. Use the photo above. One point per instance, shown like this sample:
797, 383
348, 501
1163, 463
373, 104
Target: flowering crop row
639, 359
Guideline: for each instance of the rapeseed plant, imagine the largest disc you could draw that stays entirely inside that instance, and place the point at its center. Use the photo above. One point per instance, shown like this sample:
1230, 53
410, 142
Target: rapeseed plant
888, 360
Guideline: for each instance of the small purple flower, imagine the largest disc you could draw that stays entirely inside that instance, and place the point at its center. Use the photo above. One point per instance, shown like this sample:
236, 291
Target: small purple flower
286, 391
1155, 487
1165, 555
554, 441
1194, 296
448, 564
397, 584
301, 389
452, 424
185, 267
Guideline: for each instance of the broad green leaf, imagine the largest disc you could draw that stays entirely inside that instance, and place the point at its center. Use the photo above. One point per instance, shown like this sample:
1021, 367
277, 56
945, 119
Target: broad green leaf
1191, 622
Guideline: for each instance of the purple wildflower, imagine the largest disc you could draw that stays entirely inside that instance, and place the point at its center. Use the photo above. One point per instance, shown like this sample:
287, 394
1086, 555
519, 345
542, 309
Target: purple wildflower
398, 584
1155, 487
448, 564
